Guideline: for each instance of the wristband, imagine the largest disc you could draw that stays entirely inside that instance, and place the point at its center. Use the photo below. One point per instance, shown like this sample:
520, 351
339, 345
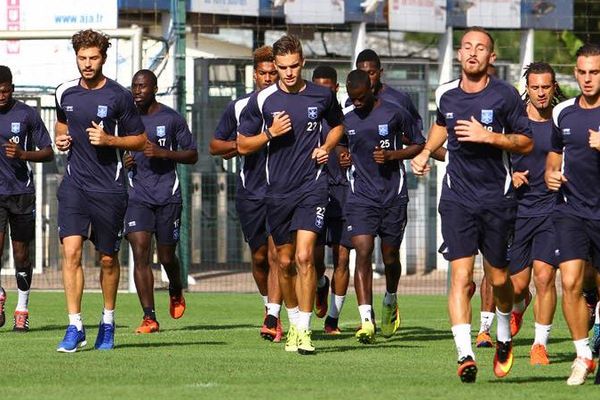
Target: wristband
268, 134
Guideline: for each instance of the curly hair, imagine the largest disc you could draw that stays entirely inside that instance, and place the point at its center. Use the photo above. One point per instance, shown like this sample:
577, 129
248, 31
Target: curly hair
90, 38
541, 67
263, 54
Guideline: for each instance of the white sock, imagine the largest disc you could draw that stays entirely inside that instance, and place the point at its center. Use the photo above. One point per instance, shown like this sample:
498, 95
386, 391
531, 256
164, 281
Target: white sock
520, 306
597, 320
273, 309
293, 315
265, 299
335, 305
583, 348
23, 301
390, 298
487, 319
75, 319
462, 340
503, 326
303, 323
322, 282
542, 333
365, 312
108, 316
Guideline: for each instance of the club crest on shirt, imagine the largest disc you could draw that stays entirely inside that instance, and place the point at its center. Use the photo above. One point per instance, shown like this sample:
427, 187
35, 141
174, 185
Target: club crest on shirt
313, 112
566, 131
102, 111
15, 127
383, 130
487, 116
161, 131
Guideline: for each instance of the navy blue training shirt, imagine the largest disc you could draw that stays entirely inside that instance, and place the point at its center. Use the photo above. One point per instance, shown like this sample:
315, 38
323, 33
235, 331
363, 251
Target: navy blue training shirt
580, 195
379, 185
154, 180
89, 167
479, 174
337, 175
535, 199
289, 165
252, 182
22, 125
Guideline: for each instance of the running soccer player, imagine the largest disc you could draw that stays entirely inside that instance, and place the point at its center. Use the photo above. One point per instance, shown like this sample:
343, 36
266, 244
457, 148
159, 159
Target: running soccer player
334, 233
572, 168
534, 242
483, 119
250, 199
21, 131
92, 197
378, 196
287, 118
155, 203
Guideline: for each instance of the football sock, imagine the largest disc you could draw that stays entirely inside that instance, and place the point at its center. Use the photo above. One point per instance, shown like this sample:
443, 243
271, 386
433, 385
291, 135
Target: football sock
273, 309
487, 319
365, 312
75, 319
293, 315
503, 328
462, 340
149, 312
390, 298
303, 323
23, 301
542, 332
322, 282
108, 316
336, 303
583, 348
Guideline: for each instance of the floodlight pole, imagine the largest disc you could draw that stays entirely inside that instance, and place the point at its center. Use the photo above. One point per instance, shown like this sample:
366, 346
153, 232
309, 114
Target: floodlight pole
359, 38
527, 54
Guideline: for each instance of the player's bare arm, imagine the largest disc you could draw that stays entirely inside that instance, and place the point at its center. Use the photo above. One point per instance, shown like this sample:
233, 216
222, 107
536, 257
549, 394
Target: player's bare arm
281, 125
13, 150
473, 131
381, 156
321, 154
62, 138
553, 176
152, 150
435, 140
98, 137
224, 148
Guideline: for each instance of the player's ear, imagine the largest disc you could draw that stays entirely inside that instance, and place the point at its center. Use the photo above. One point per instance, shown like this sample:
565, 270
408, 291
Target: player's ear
492, 57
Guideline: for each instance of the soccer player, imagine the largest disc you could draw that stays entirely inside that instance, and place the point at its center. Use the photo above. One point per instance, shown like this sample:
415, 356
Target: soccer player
334, 233
287, 118
378, 196
483, 119
573, 169
92, 197
21, 130
250, 199
534, 242
155, 204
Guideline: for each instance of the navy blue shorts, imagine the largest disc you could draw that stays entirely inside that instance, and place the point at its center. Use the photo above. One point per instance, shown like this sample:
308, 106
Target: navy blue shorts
162, 220
467, 230
336, 226
253, 220
534, 239
577, 238
302, 211
18, 210
386, 222
93, 215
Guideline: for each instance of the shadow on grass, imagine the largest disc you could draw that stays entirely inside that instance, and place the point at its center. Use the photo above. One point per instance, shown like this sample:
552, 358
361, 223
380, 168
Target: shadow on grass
363, 347
167, 344
530, 379
211, 327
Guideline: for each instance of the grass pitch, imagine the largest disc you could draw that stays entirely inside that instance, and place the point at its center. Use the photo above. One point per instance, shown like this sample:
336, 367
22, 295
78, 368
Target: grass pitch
215, 351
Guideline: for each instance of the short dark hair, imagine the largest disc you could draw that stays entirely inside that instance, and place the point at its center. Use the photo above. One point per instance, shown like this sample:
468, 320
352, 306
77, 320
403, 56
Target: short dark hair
588, 49
368, 55
148, 74
5, 75
481, 30
287, 44
263, 54
90, 38
358, 78
325, 72
541, 67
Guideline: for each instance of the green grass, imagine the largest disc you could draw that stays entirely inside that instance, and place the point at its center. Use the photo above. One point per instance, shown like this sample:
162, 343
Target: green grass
215, 351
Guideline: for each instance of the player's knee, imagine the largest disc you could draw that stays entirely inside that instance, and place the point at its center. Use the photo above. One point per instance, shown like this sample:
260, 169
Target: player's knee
286, 264
259, 260
108, 262
571, 284
544, 280
304, 257
390, 258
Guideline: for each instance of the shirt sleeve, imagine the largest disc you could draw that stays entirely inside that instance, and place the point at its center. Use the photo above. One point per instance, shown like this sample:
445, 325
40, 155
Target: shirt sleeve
440, 119
556, 140
333, 114
516, 116
227, 126
60, 113
410, 127
185, 139
410, 106
130, 122
251, 120
40, 134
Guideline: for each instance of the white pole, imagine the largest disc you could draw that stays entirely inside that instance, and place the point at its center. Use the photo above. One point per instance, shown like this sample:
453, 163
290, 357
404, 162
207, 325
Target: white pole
527, 54
39, 231
359, 38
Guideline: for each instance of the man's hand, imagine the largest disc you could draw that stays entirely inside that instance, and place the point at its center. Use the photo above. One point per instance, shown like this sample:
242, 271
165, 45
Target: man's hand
420, 163
345, 159
471, 131
594, 139
320, 155
13, 150
554, 180
97, 135
520, 178
152, 150
379, 155
281, 125
128, 160
63, 142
